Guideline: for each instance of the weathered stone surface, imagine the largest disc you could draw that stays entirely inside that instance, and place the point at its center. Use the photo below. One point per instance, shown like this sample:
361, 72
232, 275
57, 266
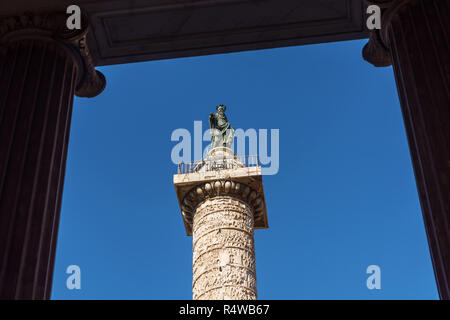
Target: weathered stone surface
221, 209
242, 182
223, 245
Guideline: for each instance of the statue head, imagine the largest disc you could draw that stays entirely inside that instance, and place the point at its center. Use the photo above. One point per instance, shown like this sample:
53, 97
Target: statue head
221, 108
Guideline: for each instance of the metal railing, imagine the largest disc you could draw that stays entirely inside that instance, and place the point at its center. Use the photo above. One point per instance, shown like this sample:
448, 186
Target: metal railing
218, 164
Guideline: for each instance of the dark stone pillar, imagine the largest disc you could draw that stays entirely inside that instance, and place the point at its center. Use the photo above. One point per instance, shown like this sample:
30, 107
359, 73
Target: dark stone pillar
42, 65
415, 35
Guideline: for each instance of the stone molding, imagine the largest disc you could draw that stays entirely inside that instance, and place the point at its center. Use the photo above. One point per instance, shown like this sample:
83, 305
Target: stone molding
51, 27
375, 52
127, 31
217, 188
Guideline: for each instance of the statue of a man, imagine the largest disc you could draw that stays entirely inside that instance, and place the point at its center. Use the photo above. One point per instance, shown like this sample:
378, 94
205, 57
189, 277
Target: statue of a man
222, 133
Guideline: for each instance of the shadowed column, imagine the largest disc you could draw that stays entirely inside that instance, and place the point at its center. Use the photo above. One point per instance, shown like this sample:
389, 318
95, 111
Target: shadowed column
415, 37
42, 65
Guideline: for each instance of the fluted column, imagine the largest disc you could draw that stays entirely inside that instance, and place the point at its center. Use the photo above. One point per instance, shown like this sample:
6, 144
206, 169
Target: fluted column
415, 36
42, 65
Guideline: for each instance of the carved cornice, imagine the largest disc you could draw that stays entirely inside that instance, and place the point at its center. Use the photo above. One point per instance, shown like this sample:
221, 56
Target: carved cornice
218, 188
52, 27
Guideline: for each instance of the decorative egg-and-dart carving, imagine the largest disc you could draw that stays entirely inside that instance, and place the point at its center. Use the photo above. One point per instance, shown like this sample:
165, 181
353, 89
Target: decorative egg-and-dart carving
221, 188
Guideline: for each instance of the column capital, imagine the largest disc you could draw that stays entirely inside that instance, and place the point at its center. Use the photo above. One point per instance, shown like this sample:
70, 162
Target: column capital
223, 188
221, 173
51, 27
377, 50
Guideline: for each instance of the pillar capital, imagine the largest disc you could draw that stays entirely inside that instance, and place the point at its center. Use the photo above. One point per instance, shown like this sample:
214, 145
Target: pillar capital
220, 174
377, 50
223, 188
51, 27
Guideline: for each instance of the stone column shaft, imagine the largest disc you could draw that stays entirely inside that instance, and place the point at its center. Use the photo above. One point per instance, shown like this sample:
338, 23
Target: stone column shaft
420, 47
36, 91
222, 202
224, 250
39, 74
417, 35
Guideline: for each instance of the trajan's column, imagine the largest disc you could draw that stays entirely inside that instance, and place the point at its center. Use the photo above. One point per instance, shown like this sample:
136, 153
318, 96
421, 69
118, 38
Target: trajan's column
222, 202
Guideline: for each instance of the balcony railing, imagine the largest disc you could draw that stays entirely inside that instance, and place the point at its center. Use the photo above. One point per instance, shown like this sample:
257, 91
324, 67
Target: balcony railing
218, 164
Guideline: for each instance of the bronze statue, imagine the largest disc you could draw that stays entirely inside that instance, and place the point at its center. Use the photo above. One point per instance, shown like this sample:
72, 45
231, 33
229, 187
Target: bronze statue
222, 133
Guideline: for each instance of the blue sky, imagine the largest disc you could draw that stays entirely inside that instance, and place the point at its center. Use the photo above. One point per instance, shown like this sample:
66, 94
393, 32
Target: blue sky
344, 197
